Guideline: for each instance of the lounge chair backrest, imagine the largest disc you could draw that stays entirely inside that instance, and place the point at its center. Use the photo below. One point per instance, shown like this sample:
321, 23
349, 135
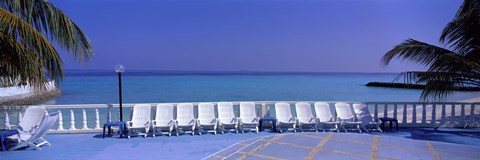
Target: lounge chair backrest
304, 112
247, 111
32, 117
141, 115
225, 112
362, 113
283, 112
206, 113
185, 114
45, 126
344, 111
164, 114
323, 112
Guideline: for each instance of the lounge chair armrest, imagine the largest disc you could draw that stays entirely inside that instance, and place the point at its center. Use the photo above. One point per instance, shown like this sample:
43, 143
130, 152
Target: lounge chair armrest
147, 124
256, 119
234, 119
212, 122
10, 127
313, 119
192, 121
292, 119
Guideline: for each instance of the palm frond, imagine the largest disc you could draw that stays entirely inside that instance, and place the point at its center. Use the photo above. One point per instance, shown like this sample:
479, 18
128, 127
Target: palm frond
416, 51
18, 30
461, 33
51, 21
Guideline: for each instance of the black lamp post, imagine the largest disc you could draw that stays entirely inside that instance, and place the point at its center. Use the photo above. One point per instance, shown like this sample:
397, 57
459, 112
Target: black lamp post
119, 69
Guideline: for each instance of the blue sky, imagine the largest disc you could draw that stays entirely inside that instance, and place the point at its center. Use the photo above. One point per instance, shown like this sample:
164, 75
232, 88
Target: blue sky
254, 35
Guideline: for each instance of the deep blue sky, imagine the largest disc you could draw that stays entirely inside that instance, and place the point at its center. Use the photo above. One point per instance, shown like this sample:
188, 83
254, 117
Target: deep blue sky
254, 35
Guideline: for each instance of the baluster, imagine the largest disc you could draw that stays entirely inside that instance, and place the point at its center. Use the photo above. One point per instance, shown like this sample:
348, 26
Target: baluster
60, 120
404, 119
7, 120
414, 114
84, 117
452, 120
375, 114
462, 114
395, 111
109, 116
264, 110
472, 114
443, 113
97, 119
19, 117
72, 120
385, 108
434, 115
109, 113
424, 114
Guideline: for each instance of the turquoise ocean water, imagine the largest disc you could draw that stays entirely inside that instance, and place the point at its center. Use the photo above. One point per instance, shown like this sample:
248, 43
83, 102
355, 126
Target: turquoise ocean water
89, 87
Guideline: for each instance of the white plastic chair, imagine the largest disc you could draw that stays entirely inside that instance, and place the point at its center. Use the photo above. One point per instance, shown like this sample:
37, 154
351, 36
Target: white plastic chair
186, 121
283, 113
226, 117
164, 121
325, 118
248, 116
305, 116
366, 119
30, 121
206, 118
346, 116
140, 123
36, 140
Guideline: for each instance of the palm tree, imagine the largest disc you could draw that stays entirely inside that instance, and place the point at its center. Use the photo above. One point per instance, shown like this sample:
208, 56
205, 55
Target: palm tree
28, 30
454, 66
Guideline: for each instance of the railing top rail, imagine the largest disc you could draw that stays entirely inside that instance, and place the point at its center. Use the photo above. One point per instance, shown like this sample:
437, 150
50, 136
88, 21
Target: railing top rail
292, 102
259, 103
76, 106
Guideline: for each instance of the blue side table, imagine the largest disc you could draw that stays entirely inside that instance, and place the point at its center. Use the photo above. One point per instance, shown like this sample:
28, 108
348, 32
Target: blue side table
390, 120
4, 134
121, 126
268, 119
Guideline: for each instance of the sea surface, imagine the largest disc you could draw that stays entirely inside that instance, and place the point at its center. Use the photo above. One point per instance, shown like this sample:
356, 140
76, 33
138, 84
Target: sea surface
94, 87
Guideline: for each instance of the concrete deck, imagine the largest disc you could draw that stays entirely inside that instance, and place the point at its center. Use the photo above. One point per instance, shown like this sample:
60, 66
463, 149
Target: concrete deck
406, 144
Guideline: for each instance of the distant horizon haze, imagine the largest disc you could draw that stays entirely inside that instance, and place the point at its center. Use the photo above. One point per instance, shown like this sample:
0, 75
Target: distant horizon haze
254, 36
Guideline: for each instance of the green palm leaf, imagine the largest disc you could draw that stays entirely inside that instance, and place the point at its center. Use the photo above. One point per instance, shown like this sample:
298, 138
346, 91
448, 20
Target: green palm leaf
448, 69
27, 28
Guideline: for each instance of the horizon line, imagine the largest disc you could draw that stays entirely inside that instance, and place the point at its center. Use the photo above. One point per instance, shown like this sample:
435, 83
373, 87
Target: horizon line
226, 71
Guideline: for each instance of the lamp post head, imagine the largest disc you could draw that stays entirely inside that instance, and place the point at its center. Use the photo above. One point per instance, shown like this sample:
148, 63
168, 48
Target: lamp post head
119, 68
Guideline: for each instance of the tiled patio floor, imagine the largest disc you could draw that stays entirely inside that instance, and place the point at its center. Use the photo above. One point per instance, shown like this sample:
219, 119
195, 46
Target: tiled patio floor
344, 146
406, 144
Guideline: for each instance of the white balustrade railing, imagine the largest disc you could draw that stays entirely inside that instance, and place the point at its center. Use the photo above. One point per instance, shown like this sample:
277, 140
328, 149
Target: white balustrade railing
445, 114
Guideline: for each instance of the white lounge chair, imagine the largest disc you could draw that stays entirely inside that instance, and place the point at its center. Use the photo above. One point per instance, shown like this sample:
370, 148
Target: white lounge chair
185, 118
325, 119
36, 140
366, 119
206, 118
248, 116
283, 113
164, 121
226, 117
305, 116
29, 122
346, 116
140, 123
